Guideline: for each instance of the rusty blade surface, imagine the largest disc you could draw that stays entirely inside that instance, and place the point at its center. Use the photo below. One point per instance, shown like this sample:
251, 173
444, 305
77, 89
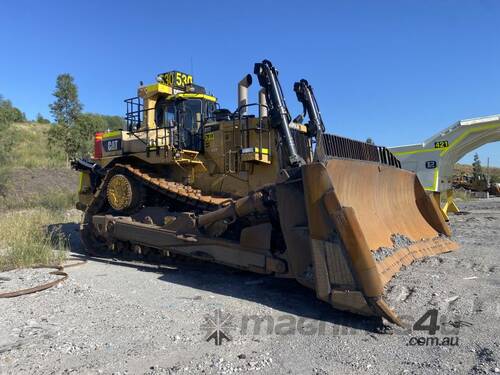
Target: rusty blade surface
387, 201
383, 217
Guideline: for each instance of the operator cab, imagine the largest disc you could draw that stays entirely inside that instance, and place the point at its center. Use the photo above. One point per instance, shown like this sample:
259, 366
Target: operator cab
185, 114
174, 106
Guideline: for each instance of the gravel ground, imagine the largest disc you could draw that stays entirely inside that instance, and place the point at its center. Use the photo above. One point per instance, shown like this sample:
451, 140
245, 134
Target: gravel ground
24, 278
113, 316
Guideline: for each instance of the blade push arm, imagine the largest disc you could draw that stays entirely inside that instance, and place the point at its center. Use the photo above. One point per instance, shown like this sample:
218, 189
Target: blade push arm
278, 111
306, 96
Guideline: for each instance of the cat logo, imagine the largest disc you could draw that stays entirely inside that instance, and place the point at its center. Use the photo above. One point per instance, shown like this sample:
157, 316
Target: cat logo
112, 145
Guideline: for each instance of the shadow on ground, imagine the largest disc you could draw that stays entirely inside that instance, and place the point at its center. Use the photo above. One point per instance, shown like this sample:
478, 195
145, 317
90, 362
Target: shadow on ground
284, 295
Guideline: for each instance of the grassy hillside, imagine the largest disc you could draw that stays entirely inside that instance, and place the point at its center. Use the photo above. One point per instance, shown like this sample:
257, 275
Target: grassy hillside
33, 176
31, 148
36, 190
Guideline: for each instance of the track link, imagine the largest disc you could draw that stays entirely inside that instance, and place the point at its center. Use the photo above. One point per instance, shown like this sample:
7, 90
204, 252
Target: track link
178, 192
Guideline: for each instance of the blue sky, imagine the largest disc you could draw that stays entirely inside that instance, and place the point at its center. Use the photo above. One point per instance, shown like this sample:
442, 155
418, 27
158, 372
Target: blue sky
396, 71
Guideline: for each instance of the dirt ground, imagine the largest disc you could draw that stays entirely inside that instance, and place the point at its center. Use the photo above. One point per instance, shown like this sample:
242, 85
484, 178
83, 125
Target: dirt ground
113, 316
24, 183
27, 188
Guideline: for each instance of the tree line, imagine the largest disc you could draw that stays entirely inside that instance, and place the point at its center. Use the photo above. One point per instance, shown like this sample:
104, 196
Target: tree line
72, 131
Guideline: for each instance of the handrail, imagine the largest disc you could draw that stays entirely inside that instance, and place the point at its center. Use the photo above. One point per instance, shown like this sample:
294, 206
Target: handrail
244, 131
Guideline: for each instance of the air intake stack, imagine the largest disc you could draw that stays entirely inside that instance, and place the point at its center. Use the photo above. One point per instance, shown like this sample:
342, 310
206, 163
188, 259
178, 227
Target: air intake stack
243, 86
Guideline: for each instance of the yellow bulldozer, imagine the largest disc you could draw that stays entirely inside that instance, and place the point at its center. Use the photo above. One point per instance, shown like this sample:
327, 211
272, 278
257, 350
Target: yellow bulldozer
256, 190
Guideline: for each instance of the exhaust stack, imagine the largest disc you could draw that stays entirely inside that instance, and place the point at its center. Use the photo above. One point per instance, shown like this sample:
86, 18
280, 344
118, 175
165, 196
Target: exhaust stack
243, 86
262, 103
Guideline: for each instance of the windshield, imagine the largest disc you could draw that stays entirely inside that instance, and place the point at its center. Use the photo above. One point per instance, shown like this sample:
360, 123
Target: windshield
185, 117
191, 113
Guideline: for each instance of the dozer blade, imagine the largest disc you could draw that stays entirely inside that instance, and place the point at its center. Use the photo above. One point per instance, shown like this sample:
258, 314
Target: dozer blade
366, 221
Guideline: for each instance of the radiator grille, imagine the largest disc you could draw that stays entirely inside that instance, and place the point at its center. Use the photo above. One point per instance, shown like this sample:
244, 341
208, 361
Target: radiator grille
341, 147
